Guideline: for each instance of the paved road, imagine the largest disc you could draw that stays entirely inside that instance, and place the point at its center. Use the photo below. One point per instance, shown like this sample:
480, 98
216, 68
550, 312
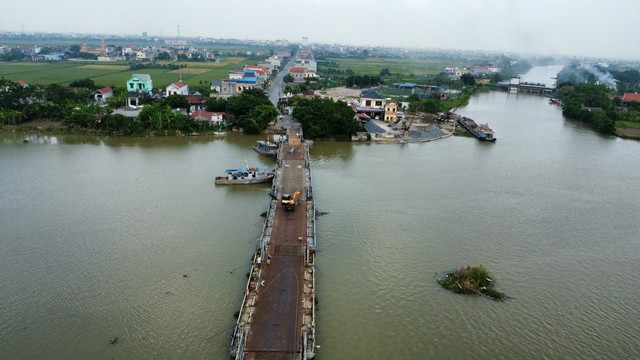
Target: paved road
275, 89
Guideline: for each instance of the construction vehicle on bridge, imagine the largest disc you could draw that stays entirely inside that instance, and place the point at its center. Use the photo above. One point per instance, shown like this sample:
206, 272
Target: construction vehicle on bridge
289, 202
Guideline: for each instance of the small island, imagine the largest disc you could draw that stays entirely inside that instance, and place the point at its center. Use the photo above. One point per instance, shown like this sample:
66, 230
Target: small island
472, 280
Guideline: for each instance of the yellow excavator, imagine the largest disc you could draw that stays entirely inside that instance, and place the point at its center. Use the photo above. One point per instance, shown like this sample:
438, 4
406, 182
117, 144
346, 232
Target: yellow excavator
289, 202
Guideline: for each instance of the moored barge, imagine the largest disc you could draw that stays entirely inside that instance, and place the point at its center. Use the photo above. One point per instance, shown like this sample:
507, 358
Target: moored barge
481, 131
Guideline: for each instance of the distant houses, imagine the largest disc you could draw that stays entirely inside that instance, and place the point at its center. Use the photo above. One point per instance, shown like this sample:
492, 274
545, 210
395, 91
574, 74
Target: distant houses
250, 77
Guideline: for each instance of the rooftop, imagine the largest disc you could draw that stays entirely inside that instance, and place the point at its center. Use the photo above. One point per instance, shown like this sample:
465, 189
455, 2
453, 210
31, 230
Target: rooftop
371, 94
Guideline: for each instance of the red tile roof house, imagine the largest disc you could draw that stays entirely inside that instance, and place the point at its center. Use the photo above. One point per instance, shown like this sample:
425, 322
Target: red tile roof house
630, 97
196, 102
178, 87
215, 118
101, 95
297, 73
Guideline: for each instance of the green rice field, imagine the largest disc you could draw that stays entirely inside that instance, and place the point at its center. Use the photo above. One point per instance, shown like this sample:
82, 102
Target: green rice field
372, 66
115, 73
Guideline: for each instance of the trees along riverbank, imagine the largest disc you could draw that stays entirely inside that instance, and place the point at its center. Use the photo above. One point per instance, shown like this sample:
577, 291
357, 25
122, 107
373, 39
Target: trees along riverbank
71, 110
598, 106
585, 97
325, 118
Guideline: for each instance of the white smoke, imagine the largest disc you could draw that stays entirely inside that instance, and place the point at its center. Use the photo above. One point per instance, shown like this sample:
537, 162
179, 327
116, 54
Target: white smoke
603, 77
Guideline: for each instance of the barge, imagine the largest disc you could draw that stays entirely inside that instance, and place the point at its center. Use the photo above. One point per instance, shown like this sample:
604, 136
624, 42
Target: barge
481, 131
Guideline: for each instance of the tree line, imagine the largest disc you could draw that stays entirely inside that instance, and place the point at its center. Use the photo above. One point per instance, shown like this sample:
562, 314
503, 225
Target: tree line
325, 118
74, 109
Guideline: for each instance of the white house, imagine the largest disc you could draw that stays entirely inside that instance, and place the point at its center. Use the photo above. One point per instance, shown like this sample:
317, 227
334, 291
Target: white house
178, 87
101, 95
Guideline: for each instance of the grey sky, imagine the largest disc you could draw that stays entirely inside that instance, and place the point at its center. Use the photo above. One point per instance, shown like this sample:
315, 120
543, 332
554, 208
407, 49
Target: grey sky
589, 27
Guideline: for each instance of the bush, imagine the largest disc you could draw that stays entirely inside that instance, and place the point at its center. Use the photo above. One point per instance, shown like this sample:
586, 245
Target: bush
472, 280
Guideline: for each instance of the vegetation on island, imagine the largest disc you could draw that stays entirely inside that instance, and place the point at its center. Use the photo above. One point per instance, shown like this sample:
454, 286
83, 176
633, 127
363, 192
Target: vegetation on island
594, 96
325, 118
474, 280
591, 104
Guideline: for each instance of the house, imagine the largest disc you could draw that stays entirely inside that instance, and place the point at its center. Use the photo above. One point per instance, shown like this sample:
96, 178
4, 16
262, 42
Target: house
371, 99
140, 83
274, 61
237, 82
22, 83
135, 100
216, 86
178, 88
196, 101
455, 71
283, 53
101, 95
215, 118
300, 74
483, 70
371, 104
390, 112
261, 71
128, 50
306, 61
56, 56
630, 97
297, 73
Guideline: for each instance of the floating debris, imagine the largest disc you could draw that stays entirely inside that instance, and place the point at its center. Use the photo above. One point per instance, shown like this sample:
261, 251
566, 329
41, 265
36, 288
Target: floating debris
472, 280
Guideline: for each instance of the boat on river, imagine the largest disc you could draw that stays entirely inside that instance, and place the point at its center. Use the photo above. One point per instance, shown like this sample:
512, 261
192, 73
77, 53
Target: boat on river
481, 131
266, 148
246, 175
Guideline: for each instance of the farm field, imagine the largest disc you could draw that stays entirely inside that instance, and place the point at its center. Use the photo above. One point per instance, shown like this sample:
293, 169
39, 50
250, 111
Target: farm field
372, 66
114, 73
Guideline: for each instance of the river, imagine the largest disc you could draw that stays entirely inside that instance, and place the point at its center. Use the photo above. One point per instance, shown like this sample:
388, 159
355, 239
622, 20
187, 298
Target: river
97, 235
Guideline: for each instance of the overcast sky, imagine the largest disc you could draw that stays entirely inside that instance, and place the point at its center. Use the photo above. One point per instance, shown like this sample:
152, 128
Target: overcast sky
558, 27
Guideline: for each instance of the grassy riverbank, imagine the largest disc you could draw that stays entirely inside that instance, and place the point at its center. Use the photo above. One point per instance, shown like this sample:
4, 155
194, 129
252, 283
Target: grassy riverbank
55, 128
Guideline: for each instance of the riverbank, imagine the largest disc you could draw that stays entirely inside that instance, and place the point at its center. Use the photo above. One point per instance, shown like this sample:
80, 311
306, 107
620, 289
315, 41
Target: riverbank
50, 127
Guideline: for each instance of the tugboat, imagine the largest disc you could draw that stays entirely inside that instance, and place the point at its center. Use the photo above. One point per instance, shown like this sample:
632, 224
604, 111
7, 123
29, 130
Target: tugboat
246, 175
266, 148
481, 131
